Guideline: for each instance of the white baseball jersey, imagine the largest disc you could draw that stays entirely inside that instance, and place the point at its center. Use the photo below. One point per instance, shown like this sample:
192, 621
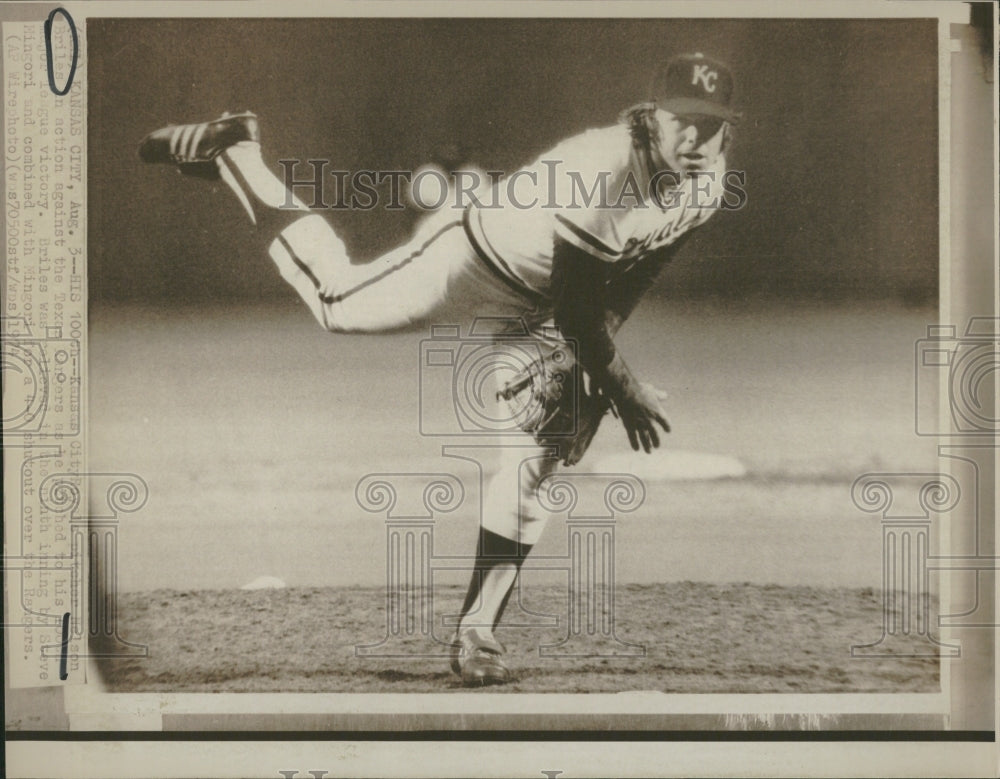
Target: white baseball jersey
495, 258
592, 191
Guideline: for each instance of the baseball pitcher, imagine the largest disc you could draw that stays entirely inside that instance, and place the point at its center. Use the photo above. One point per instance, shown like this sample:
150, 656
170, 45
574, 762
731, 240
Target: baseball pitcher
567, 246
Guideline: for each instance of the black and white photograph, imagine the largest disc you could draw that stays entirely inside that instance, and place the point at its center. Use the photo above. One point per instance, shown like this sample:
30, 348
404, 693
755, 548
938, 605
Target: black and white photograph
553, 373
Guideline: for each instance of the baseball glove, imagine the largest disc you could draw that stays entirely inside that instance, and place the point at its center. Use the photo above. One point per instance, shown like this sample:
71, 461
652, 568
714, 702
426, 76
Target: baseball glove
553, 400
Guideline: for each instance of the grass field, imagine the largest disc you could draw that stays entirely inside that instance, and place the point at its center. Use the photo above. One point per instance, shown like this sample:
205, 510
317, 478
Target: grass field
252, 427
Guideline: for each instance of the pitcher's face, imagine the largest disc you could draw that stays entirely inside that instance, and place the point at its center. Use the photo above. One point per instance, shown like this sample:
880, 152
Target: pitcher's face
690, 144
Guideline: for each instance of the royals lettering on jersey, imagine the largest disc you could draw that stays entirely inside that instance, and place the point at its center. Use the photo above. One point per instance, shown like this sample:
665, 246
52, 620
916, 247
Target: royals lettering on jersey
593, 192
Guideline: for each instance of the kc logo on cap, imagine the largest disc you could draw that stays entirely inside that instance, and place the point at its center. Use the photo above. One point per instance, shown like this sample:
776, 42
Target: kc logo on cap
705, 76
695, 85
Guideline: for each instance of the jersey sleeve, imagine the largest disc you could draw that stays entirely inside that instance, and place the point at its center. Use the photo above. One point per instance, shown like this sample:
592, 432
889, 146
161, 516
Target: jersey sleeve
587, 186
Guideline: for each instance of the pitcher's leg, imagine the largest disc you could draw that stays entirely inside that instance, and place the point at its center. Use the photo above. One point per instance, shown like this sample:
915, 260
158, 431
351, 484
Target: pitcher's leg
511, 506
513, 521
396, 291
403, 288
435, 274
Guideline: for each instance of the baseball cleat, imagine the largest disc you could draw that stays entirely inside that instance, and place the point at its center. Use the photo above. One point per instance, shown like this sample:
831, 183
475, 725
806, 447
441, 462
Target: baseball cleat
194, 147
478, 658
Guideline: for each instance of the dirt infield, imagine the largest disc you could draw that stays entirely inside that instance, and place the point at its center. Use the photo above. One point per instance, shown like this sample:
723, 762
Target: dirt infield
698, 638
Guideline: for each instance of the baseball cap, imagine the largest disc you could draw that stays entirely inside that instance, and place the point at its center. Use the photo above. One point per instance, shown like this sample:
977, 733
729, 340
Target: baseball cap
693, 84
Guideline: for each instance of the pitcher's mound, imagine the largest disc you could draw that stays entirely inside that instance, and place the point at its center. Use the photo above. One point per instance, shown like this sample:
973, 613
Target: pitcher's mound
265, 583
